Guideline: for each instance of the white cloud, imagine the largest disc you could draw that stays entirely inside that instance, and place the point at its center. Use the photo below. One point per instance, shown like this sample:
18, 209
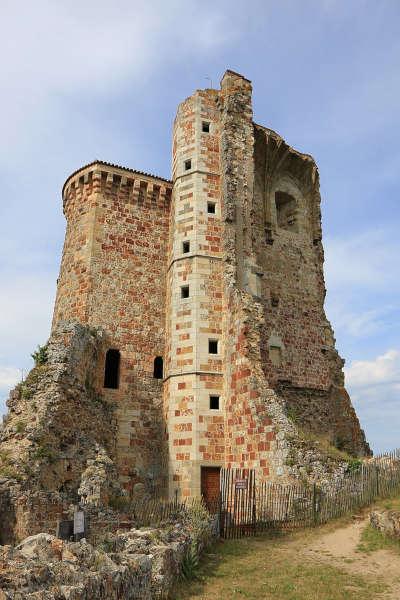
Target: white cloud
359, 323
384, 369
9, 376
53, 52
26, 311
374, 387
369, 259
362, 278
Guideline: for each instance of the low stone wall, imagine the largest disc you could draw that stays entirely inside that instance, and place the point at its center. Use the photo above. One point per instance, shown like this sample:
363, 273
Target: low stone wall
387, 521
140, 564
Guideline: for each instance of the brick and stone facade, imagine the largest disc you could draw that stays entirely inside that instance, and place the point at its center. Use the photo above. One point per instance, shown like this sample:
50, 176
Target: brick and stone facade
113, 275
210, 290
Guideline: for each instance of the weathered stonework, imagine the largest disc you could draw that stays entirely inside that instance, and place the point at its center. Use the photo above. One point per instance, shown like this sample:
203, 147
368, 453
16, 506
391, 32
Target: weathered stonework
140, 564
387, 522
219, 274
58, 428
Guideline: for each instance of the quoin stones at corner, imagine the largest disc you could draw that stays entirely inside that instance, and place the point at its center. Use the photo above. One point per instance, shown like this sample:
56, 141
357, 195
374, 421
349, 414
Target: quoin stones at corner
189, 331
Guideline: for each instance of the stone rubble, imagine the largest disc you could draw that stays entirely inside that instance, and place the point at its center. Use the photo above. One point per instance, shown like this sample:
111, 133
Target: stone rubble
387, 521
138, 564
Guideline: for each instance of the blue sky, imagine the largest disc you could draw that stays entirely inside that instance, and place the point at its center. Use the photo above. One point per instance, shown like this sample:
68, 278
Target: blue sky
90, 79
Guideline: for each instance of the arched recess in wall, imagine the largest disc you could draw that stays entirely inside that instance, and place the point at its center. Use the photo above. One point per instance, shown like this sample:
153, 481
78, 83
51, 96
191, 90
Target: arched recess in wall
158, 368
111, 369
289, 205
286, 211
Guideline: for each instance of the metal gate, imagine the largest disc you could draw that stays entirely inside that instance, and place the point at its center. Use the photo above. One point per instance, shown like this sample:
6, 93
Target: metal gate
238, 503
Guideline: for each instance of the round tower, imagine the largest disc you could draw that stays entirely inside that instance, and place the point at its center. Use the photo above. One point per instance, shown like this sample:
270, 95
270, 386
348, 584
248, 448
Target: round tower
113, 276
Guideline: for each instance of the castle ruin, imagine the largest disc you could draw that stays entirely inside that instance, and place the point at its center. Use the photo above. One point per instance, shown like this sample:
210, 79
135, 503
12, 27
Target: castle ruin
209, 291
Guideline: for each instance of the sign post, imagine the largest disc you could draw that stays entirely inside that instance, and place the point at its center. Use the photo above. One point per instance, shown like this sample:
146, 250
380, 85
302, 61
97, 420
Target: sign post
241, 484
79, 525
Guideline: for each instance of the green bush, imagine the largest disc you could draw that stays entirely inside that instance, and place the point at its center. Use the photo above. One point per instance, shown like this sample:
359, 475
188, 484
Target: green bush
190, 562
354, 465
40, 356
44, 452
10, 472
26, 392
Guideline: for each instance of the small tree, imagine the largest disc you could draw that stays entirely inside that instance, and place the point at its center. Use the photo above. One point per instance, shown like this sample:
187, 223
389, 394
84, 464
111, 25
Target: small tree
40, 356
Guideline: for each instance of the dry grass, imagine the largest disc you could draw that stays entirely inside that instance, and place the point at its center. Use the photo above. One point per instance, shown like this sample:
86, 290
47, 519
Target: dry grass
281, 567
372, 539
273, 568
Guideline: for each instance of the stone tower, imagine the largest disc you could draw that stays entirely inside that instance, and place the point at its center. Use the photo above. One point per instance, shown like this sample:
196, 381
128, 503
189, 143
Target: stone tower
113, 274
210, 292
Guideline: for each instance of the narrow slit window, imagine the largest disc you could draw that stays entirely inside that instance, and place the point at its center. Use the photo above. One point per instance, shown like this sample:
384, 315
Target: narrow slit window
211, 208
205, 127
185, 291
213, 346
111, 369
214, 402
185, 247
158, 367
188, 164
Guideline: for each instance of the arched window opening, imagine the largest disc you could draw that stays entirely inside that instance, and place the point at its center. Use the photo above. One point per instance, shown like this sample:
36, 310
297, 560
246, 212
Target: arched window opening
158, 367
111, 370
286, 211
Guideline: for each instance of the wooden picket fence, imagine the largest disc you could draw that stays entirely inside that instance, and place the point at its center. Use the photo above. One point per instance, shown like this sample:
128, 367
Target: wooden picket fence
248, 509
245, 507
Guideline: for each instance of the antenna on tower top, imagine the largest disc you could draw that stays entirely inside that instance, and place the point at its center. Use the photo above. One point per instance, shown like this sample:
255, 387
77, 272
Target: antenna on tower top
210, 80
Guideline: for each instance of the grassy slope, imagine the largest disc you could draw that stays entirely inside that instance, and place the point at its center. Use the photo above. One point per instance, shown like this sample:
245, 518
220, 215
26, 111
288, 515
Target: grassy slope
372, 539
273, 568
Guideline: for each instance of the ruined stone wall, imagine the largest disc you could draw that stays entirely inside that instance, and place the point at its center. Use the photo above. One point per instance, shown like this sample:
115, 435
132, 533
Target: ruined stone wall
113, 275
255, 425
278, 372
57, 422
253, 269
299, 357
296, 334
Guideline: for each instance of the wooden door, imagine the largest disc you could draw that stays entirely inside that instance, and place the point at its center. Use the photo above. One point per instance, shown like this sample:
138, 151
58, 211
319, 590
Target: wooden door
210, 485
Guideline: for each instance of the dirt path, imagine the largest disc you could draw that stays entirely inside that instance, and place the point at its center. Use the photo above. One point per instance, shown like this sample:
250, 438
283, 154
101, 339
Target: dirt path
315, 564
340, 548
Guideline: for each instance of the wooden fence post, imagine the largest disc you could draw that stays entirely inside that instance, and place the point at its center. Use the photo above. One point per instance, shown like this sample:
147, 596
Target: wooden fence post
377, 480
314, 503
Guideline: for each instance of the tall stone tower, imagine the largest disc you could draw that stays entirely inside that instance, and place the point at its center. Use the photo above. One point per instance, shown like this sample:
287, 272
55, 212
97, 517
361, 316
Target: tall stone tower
112, 275
210, 292
194, 385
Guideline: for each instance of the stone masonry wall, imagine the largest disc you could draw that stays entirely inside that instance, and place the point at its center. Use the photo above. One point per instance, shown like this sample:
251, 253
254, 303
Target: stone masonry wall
57, 422
195, 430
163, 275
256, 425
299, 357
113, 275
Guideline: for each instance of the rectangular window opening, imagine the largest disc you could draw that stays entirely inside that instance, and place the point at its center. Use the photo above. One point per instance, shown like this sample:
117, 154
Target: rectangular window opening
188, 164
213, 346
185, 247
275, 355
214, 402
206, 127
211, 208
185, 291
